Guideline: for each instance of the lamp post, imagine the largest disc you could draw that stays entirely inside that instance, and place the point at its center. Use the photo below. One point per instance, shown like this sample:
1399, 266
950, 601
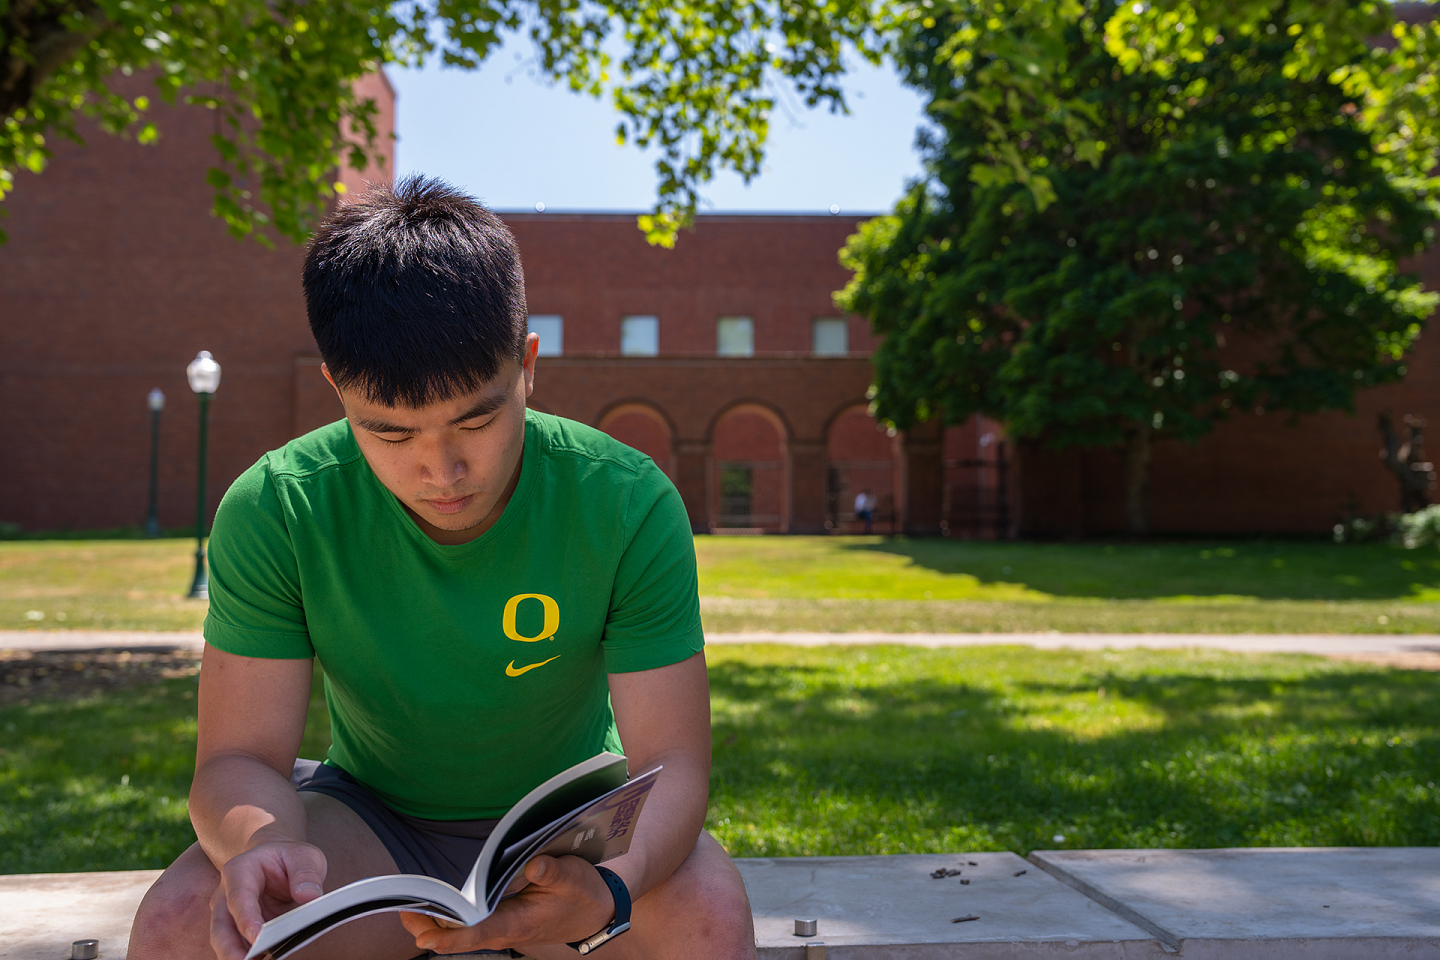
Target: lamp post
204, 376
156, 401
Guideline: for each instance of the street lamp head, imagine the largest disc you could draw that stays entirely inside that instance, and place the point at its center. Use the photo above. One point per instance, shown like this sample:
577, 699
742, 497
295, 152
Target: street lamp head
156, 400
203, 373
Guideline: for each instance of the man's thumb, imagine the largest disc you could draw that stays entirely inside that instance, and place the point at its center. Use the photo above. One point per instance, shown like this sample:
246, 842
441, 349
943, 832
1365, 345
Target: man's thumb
542, 870
305, 881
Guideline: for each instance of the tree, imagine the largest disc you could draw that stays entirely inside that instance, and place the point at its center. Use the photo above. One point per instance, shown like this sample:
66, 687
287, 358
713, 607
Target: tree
695, 80
1219, 236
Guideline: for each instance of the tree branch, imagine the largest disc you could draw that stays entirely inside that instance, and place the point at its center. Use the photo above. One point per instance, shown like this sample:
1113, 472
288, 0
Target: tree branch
36, 38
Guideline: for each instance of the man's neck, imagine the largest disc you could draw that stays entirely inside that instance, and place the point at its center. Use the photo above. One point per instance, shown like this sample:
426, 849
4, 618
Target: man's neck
456, 537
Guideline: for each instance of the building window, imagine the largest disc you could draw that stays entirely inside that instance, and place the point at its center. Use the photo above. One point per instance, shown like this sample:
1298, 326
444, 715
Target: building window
639, 336
735, 337
829, 337
551, 327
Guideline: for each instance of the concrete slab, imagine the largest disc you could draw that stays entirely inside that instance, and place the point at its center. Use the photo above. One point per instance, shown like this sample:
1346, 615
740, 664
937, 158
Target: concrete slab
41, 914
1276, 903
100, 640
889, 908
1337, 644
1318, 643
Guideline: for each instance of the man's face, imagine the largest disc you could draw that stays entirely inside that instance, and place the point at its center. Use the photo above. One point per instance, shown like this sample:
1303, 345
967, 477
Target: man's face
452, 464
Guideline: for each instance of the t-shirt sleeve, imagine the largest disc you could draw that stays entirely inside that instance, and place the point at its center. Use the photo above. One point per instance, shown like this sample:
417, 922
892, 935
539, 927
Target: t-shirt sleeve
255, 598
654, 616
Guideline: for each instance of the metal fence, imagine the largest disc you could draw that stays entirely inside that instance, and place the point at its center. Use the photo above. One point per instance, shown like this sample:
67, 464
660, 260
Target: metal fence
977, 497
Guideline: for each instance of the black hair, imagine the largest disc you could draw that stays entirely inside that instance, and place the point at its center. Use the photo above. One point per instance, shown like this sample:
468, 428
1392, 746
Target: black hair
415, 293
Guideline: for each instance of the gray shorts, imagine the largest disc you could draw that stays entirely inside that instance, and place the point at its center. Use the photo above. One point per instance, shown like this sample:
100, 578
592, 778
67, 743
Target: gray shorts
443, 849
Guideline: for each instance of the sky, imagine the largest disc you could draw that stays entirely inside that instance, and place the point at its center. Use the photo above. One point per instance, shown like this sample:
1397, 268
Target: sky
514, 142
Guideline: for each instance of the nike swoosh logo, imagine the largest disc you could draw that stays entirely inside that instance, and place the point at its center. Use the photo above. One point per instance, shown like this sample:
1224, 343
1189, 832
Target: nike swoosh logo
512, 671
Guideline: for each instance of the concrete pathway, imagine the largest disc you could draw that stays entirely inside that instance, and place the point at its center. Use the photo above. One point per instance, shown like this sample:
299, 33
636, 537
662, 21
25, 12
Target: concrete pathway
1332, 644
1278, 904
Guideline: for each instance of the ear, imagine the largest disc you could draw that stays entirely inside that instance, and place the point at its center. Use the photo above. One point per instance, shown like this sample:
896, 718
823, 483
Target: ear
326, 370
527, 365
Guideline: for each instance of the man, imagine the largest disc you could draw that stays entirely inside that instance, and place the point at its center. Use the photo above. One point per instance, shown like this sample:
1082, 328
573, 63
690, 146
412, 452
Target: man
493, 594
865, 507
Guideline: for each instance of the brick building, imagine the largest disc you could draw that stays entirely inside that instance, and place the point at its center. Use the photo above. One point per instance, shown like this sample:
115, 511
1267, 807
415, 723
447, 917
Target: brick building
724, 359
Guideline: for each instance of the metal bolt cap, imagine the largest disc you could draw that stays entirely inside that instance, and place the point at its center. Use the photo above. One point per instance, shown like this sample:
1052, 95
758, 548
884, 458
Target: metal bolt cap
84, 950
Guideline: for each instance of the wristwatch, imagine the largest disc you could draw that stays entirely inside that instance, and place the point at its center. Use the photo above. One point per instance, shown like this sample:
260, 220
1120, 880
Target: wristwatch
615, 927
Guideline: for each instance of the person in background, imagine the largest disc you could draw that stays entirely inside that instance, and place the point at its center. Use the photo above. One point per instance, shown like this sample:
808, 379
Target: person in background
865, 507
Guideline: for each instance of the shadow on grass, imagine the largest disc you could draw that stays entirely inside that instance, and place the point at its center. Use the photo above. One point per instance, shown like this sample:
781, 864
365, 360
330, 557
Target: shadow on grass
806, 764
877, 750
100, 782
1271, 570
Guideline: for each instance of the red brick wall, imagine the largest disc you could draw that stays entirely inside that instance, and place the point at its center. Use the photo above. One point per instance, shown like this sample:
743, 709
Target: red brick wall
593, 269
115, 275
1255, 474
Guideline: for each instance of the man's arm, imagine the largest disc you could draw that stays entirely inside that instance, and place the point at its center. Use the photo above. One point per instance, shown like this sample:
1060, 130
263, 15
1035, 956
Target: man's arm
248, 817
664, 718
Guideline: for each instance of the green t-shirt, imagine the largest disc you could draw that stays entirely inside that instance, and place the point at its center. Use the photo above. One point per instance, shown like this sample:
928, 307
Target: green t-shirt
459, 677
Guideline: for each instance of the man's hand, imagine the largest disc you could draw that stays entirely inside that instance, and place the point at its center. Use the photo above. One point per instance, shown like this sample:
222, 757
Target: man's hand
566, 900
259, 884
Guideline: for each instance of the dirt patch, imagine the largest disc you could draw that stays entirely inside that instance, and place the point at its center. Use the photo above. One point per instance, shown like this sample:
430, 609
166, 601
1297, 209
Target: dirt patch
30, 675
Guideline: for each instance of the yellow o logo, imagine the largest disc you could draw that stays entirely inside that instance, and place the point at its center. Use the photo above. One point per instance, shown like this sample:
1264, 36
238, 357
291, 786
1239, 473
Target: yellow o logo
552, 617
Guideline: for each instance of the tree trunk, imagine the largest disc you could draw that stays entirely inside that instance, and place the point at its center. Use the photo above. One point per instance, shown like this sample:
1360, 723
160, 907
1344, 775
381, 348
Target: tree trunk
1137, 479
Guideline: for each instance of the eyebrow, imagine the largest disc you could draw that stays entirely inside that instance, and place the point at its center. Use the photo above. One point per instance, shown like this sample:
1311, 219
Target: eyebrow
481, 407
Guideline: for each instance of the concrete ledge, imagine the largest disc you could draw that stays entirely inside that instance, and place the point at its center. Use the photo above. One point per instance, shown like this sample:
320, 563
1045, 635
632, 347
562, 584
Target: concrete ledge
41, 914
1271, 903
1275, 902
890, 908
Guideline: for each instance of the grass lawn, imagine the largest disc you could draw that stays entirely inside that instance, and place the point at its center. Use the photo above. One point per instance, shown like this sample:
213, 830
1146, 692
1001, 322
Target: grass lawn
879, 750
933, 585
98, 584
866, 583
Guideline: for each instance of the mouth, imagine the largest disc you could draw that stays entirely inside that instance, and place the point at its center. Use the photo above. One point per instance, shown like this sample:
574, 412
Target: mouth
458, 505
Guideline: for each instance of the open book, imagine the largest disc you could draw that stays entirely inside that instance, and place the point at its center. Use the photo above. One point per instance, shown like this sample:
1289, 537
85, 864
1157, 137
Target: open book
587, 811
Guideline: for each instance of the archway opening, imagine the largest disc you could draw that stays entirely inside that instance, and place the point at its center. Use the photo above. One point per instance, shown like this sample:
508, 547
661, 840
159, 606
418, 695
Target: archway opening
860, 474
750, 473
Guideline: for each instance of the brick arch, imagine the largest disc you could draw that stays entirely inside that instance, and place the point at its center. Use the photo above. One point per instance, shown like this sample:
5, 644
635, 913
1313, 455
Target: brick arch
768, 411
859, 455
644, 426
749, 469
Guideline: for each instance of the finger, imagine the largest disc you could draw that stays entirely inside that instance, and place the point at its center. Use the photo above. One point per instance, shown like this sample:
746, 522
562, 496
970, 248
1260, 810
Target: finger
417, 923
225, 939
305, 868
443, 936
243, 886
543, 871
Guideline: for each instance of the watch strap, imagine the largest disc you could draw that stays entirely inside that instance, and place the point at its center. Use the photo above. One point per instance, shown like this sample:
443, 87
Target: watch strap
617, 926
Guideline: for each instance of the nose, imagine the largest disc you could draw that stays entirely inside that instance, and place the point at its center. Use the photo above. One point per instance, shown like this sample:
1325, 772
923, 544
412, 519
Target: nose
442, 464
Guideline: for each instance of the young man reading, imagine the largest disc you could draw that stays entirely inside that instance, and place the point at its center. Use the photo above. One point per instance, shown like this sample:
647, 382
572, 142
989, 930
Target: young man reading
494, 595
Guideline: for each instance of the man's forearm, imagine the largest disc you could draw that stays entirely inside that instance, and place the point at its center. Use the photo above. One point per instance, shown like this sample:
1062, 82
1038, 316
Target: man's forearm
238, 802
669, 825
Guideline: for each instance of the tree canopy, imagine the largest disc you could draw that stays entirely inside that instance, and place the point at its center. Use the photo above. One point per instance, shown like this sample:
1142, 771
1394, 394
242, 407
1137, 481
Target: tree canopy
1215, 233
695, 79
